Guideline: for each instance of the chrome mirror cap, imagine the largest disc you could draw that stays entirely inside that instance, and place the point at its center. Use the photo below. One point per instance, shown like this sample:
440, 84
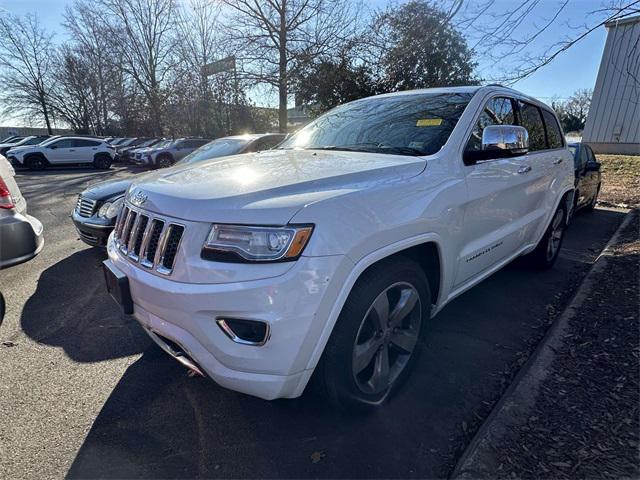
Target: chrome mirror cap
505, 137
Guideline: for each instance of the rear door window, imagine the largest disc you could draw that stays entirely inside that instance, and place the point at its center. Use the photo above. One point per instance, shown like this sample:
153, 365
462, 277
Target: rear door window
531, 119
554, 134
80, 143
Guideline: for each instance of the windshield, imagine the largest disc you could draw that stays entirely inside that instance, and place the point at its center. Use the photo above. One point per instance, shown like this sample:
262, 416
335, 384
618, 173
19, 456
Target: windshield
148, 143
34, 141
416, 124
217, 148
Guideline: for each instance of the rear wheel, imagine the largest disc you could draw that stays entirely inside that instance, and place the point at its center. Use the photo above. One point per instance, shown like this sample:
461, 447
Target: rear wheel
592, 204
547, 250
102, 162
377, 337
35, 162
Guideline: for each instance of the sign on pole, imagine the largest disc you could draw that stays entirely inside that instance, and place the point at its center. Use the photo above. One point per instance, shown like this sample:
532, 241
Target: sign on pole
227, 64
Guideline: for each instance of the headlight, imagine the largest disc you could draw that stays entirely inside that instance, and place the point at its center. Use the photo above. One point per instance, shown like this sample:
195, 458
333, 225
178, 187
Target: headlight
111, 209
237, 243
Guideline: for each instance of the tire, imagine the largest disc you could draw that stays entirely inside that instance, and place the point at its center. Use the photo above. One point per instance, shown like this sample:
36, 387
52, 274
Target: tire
592, 204
351, 372
35, 162
102, 162
546, 252
164, 161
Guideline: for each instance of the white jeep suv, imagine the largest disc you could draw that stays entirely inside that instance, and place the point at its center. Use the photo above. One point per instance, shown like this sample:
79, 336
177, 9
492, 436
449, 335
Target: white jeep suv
331, 252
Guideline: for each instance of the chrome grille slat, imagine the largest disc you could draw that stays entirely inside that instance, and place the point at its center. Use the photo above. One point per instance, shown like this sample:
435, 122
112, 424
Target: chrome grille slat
162, 244
133, 235
148, 240
126, 231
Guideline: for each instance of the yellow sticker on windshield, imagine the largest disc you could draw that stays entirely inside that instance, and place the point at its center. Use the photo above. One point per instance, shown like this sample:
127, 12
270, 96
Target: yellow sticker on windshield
429, 122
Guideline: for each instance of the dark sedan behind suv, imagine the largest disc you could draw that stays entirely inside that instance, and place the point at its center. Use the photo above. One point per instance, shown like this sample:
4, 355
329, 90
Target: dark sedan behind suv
97, 207
588, 177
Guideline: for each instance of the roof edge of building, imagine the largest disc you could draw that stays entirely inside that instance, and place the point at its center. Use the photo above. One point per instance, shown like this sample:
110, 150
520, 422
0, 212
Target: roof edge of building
622, 21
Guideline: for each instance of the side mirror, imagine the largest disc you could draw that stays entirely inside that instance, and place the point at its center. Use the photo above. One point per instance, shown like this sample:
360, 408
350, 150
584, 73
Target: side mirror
53, 147
500, 141
593, 167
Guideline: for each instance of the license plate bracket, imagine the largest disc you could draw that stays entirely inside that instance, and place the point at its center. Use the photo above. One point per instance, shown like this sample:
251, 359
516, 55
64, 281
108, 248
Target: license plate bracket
118, 286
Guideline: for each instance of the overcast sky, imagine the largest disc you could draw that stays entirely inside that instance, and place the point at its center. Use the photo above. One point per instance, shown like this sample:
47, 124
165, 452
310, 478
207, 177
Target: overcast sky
575, 69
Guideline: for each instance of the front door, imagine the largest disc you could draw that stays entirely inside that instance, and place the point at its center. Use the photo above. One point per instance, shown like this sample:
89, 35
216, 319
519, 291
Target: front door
501, 198
61, 151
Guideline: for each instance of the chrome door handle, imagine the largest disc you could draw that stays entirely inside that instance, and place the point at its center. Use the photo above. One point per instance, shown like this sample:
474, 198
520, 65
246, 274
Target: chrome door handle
523, 170
558, 161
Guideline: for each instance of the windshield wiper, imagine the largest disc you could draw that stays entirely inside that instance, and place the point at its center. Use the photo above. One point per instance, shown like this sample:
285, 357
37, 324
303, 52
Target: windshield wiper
372, 147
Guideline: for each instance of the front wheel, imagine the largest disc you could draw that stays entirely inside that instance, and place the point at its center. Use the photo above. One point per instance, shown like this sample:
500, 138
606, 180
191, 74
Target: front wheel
378, 335
35, 163
164, 161
546, 252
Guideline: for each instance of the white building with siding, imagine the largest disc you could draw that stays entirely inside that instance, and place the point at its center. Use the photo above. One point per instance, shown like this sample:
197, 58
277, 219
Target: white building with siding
613, 123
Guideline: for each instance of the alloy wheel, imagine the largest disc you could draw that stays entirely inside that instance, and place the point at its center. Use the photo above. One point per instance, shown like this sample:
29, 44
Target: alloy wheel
555, 238
387, 337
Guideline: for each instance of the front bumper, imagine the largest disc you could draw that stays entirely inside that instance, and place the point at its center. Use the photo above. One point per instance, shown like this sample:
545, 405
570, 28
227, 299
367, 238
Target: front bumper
295, 305
20, 239
91, 230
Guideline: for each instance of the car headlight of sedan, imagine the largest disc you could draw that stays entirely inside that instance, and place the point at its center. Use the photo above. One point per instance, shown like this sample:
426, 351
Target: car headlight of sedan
110, 210
239, 243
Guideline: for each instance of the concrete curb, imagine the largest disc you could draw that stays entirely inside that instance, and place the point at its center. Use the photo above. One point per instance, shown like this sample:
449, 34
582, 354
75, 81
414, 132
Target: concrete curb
511, 408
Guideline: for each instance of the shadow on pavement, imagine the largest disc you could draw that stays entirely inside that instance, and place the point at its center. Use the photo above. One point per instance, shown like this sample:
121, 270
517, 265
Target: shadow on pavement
72, 310
158, 422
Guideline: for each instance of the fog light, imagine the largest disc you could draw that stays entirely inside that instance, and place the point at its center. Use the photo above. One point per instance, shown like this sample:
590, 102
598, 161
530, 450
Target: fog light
245, 332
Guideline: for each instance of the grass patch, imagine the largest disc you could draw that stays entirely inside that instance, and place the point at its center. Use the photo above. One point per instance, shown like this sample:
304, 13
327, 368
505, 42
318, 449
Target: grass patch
620, 180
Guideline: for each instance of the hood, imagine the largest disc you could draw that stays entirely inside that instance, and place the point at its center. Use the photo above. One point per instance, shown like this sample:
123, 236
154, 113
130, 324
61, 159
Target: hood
267, 187
20, 148
106, 190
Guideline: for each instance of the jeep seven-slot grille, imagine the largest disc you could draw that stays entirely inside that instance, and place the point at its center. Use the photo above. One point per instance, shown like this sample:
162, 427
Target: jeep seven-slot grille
85, 206
152, 242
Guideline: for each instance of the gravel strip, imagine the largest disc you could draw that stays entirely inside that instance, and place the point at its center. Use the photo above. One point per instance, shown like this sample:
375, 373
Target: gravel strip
581, 419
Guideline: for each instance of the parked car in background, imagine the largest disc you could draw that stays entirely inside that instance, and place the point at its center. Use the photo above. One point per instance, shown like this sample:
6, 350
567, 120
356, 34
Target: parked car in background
329, 255
168, 155
65, 151
139, 153
27, 141
9, 138
95, 212
588, 177
12, 141
127, 153
20, 234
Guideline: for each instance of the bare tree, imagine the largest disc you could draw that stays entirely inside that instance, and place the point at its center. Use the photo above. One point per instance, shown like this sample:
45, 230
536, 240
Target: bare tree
93, 42
273, 37
512, 41
143, 34
26, 66
71, 98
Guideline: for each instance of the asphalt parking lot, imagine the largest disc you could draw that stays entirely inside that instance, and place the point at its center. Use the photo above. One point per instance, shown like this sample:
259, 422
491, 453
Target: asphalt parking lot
85, 393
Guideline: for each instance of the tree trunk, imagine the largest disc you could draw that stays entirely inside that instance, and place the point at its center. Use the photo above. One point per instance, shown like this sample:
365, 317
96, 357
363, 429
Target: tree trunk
282, 80
45, 112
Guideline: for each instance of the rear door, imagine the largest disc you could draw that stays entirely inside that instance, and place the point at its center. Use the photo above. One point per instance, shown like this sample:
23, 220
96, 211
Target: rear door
593, 177
85, 150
